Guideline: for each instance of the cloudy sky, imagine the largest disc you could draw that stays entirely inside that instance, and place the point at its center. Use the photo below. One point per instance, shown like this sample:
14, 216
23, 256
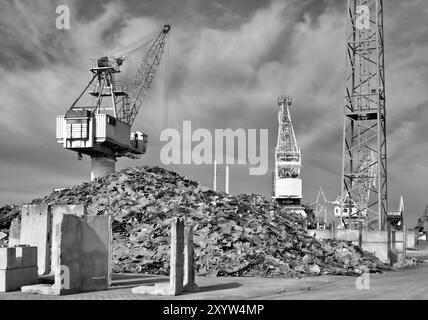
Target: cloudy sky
228, 63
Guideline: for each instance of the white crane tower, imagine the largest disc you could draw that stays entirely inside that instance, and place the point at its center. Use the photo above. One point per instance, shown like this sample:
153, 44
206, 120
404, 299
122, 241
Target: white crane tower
287, 184
102, 129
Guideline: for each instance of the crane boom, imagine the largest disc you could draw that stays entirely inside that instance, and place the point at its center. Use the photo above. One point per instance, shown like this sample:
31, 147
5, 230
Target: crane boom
144, 77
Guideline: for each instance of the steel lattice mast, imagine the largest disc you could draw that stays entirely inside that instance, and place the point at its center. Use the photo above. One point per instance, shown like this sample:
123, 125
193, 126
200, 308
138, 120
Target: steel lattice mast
364, 130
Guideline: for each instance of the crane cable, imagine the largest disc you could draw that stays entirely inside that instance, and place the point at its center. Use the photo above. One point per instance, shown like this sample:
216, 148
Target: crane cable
86, 88
144, 42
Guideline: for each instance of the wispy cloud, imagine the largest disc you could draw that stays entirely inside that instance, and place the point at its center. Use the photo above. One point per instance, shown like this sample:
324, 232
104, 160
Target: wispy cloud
228, 63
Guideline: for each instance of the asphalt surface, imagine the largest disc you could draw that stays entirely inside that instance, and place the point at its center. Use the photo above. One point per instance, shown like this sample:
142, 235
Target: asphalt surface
409, 283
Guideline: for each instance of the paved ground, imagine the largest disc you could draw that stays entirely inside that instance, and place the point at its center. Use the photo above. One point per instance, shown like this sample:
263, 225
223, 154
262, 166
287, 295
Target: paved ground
409, 283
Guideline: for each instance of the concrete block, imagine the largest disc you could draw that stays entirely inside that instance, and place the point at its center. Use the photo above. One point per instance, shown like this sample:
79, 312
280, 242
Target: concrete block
8, 258
96, 253
378, 248
36, 231
8, 280
66, 252
14, 279
177, 256
387, 246
26, 256
28, 275
182, 276
347, 235
411, 239
189, 284
320, 234
80, 254
15, 232
375, 236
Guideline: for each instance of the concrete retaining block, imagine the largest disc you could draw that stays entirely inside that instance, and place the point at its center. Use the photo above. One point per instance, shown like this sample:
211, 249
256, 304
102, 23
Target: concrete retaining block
80, 255
379, 249
96, 253
411, 239
14, 279
320, 234
177, 258
66, 252
348, 235
189, 284
26, 256
8, 258
36, 231
182, 276
386, 245
15, 232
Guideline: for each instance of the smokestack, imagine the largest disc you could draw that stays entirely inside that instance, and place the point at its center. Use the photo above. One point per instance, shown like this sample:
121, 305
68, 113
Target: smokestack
227, 179
215, 176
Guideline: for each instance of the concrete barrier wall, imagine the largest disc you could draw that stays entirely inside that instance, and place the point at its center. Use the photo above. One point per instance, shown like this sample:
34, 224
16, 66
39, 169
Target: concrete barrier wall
347, 235
320, 234
387, 246
411, 239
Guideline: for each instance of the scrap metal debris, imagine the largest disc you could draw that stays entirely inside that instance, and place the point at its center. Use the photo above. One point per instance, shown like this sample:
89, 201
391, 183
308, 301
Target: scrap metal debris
234, 235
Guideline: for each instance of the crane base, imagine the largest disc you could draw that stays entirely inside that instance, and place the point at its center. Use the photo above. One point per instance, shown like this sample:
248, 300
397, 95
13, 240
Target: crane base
102, 166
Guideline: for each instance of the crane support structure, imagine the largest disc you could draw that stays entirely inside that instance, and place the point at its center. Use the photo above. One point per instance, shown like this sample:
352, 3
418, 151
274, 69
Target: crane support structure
364, 130
287, 183
102, 129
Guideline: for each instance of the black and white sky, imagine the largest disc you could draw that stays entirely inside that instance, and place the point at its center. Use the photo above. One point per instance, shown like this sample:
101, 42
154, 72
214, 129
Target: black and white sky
228, 63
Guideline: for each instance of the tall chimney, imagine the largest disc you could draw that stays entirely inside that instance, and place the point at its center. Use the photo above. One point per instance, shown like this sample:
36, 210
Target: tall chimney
226, 187
215, 176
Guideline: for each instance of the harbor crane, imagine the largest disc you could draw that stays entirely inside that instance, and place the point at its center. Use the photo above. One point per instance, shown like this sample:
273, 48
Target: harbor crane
287, 183
102, 129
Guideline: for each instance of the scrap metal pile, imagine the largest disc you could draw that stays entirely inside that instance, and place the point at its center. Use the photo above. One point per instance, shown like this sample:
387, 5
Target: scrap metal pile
7, 214
235, 235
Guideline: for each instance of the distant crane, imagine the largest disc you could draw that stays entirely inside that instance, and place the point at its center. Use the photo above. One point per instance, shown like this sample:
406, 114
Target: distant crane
287, 183
396, 217
102, 130
422, 226
320, 206
353, 211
